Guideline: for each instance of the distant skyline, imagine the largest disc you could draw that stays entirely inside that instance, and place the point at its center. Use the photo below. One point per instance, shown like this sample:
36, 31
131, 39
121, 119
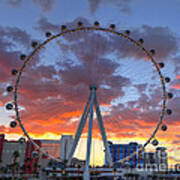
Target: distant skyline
65, 76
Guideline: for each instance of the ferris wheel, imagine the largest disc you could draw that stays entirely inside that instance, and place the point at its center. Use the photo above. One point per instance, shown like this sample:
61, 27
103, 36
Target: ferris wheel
102, 39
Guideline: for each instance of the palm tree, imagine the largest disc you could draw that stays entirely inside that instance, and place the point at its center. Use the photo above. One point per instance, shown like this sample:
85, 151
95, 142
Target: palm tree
35, 165
4, 169
15, 165
16, 154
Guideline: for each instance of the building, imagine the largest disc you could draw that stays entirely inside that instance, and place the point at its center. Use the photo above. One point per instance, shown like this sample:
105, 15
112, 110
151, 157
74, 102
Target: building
157, 160
75, 162
12, 154
29, 159
52, 147
65, 146
149, 160
11, 151
161, 158
121, 151
177, 168
32, 157
2, 138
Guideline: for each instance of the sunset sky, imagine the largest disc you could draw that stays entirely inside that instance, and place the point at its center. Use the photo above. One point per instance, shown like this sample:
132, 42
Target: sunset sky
55, 85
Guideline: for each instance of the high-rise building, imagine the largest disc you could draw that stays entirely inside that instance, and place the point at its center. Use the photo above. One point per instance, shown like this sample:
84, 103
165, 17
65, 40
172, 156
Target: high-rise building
161, 158
121, 151
65, 146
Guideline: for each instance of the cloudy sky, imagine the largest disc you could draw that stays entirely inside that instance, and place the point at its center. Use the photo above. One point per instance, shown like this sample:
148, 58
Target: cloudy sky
54, 85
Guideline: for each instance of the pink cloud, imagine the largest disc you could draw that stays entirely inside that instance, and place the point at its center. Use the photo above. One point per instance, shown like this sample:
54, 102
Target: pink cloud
46, 5
123, 5
178, 77
50, 103
175, 86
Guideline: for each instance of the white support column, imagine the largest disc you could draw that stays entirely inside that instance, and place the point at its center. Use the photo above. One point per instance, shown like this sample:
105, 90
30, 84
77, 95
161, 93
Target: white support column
103, 133
79, 130
86, 175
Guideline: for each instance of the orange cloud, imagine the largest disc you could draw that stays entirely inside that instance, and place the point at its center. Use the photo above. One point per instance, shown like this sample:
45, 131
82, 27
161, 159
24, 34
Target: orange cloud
178, 77
72, 114
50, 104
175, 86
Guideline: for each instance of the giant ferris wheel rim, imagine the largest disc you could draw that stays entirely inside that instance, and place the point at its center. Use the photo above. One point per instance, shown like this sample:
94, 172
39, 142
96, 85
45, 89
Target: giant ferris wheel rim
81, 29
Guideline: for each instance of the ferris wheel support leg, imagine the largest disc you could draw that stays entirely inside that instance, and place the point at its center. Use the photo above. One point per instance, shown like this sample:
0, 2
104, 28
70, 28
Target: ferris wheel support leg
86, 175
103, 133
79, 130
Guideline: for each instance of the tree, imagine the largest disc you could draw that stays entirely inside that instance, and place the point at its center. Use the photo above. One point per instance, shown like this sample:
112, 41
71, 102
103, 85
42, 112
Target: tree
15, 165
16, 154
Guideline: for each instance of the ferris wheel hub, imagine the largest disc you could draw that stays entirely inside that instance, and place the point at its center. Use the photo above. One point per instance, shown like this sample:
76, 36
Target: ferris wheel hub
93, 86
